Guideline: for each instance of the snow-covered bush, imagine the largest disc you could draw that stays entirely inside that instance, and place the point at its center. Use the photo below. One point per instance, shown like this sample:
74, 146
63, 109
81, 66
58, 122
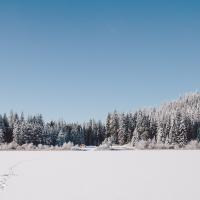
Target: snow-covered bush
142, 145
192, 145
148, 145
106, 145
67, 146
40, 147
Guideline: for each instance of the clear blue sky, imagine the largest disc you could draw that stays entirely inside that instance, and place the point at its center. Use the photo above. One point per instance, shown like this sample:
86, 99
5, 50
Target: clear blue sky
78, 59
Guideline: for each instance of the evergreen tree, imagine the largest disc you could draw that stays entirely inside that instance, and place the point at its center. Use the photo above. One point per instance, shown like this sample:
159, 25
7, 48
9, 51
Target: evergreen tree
88, 133
172, 133
182, 134
161, 137
51, 132
28, 132
142, 130
123, 129
61, 138
17, 133
198, 135
101, 131
131, 126
77, 134
108, 125
114, 127
1, 136
1, 130
8, 131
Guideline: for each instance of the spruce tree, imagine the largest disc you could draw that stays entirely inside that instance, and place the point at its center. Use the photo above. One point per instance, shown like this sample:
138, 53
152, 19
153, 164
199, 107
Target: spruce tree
108, 125
160, 133
114, 129
8, 131
182, 134
1, 130
61, 138
123, 129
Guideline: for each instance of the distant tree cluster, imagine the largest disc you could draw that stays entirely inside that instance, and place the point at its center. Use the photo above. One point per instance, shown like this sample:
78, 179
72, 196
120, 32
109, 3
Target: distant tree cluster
174, 123
34, 130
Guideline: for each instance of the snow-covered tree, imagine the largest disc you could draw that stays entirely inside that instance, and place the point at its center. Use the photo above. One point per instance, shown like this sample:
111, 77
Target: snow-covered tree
142, 130
114, 127
161, 137
172, 133
61, 138
50, 134
17, 133
101, 133
8, 132
132, 118
108, 125
1, 130
182, 133
124, 129
1, 136
30, 131
77, 134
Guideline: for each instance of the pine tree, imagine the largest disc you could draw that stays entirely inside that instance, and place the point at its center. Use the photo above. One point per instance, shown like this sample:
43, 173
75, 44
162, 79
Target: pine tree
114, 127
17, 133
182, 134
50, 135
198, 134
108, 125
142, 130
28, 132
8, 131
77, 134
135, 137
37, 135
167, 128
61, 138
101, 133
153, 128
123, 129
172, 133
1, 130
1, 136
131, 126
88, 133
160, 133
94, 133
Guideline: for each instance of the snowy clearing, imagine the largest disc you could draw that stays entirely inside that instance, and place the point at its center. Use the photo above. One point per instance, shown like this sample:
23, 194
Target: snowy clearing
112, 175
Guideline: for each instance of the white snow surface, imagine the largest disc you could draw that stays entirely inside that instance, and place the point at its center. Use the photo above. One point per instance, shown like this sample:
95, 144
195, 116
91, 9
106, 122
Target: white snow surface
105, 175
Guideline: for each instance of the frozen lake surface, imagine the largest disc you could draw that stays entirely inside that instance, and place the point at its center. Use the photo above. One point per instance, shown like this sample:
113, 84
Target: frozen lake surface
112, 175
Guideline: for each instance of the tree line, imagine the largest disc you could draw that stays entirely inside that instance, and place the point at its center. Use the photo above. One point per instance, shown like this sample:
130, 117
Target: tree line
34, 130
173, 123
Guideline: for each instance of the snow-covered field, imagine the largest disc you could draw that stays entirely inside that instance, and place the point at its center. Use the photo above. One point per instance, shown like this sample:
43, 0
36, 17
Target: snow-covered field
112, 175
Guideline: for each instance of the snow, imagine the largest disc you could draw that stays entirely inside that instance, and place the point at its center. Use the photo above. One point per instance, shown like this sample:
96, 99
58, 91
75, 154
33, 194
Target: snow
105, 175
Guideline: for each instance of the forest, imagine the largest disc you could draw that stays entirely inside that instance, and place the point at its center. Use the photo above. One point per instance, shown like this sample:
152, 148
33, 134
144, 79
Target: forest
175, 123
